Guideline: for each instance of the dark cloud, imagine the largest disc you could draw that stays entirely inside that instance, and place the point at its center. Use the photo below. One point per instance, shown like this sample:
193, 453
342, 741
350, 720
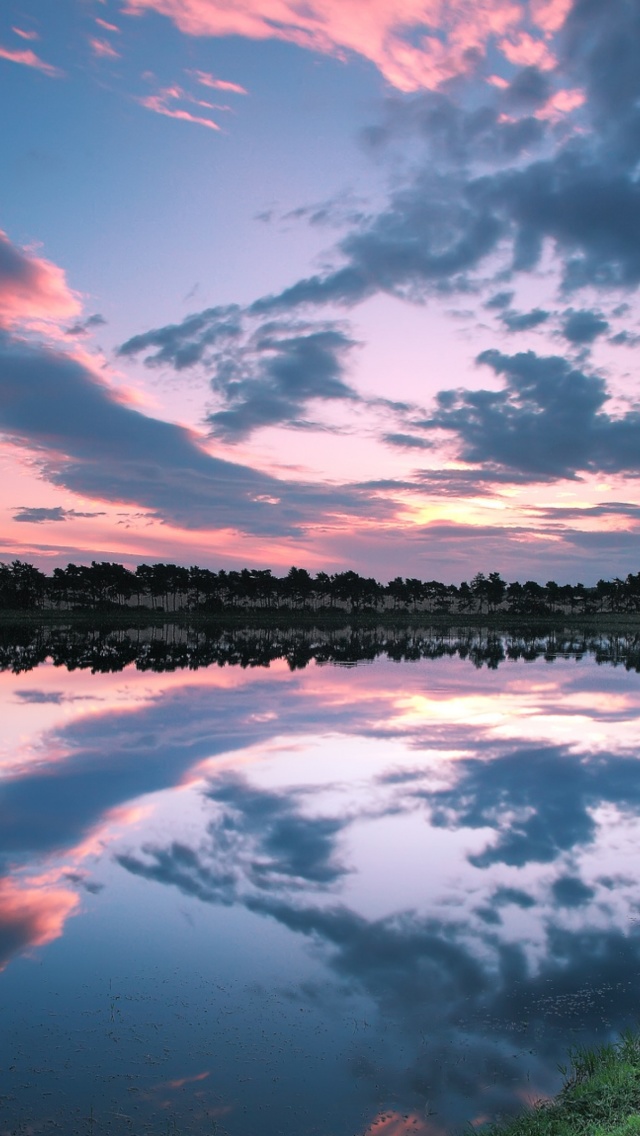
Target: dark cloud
431, 235
38, 516
625, 339
91, 443
185, 344
572, 513
529, 89
571, 891
264, 376
584, 326
181, 866
503, 896
282, 843
500, 300
548, 419
540, 802
282, 368
259, 839
408, 441
524, 321
83, 327
38, 697
600, 51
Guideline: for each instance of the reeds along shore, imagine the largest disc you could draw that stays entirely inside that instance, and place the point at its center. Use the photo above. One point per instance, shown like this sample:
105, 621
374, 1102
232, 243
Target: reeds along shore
600, 1097
172, 588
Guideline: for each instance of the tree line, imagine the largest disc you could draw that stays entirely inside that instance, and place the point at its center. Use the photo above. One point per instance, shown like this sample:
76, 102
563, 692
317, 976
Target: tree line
170, 588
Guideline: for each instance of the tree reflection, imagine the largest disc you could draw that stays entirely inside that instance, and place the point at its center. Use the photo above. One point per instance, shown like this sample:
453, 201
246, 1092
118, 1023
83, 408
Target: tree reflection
171, 647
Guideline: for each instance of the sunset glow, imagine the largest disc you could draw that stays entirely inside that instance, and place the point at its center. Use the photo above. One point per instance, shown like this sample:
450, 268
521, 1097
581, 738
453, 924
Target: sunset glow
347, 285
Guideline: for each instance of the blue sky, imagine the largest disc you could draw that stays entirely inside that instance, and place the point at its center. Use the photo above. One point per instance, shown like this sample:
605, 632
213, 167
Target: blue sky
347, 285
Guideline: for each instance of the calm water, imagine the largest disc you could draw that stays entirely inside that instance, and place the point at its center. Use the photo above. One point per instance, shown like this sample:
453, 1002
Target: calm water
329, 900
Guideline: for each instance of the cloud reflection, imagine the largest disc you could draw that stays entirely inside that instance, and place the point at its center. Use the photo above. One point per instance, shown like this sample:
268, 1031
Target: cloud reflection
31, 916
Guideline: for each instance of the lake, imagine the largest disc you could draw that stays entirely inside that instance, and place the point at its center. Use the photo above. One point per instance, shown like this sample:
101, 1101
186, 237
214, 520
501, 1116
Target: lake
311, 883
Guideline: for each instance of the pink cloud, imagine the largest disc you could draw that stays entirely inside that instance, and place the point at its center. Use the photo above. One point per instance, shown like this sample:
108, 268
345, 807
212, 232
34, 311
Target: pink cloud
414, 43
207, 80
31, 917
24, 34
29, 58
561, 103
549, 15
32, 288
102, 48
107, 27
524, 50
160, 104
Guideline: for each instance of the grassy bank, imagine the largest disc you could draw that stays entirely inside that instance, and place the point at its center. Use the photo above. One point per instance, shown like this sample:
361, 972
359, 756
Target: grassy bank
600, 1097
132, 617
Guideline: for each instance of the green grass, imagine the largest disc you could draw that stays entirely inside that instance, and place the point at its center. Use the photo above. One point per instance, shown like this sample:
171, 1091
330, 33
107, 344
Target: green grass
600, 1097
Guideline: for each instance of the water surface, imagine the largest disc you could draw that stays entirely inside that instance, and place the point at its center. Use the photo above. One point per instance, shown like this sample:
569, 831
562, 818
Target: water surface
305, 897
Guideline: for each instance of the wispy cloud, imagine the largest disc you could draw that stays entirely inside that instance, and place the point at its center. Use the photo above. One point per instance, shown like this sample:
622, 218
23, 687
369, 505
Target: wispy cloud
102, 48
25, 33
162, 103
207, 80
42, 515
107, 27
28, 58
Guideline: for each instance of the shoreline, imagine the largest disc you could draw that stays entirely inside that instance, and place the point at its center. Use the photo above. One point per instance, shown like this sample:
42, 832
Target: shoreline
307, 620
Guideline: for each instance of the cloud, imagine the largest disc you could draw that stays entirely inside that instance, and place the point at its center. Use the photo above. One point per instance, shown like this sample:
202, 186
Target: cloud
32, 288
102, 48
524, 321
207, 80
185, 344
105, 760
431, 236
84, 326
277, 842
23, 33
625, 339
571, 891
414, 43
407, 441
38, 697
539, 802
499, 300
548, 419
279, 371
31, 917
90, 443
494, 184
530, 88
265, 375
38, 516
503, 896
28, 58
584, 326
162, 103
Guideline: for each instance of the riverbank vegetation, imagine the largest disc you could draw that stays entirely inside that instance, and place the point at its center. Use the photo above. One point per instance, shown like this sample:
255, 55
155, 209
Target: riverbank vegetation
600, 1097
171, 588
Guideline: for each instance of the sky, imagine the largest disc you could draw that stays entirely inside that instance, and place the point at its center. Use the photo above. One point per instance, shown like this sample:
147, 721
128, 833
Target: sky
339, 284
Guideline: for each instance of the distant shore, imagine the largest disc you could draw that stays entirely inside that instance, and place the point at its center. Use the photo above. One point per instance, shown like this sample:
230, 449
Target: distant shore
138, 617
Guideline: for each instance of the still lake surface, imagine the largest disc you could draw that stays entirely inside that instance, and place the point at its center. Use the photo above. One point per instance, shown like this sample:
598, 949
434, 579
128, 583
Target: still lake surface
326, 900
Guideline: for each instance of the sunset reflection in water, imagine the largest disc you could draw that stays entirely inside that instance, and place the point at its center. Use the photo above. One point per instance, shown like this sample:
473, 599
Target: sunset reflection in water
382, 899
